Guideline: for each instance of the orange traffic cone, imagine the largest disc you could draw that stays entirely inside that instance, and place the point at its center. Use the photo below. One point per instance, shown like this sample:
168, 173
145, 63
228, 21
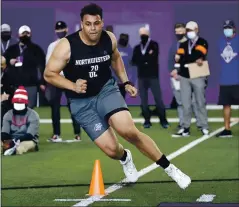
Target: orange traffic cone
97, 184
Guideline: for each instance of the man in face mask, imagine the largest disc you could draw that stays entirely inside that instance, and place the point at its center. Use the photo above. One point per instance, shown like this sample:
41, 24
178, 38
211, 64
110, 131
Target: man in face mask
180, 34
25, 65
194, 50
20, 126
126, 52
145, 58
53, 94
229, 76
6, 38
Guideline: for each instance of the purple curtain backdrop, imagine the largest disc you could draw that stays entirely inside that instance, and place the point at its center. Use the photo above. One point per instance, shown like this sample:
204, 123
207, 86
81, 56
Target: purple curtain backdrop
159, 15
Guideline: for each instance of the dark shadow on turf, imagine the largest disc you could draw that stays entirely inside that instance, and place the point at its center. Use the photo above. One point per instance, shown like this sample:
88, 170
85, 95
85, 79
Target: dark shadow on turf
125, 184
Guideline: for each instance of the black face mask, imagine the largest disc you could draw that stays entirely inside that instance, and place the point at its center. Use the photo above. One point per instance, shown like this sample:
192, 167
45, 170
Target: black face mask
144, 39
5, 36
25, 39
20, 112
61, 34
123, 42
179, 36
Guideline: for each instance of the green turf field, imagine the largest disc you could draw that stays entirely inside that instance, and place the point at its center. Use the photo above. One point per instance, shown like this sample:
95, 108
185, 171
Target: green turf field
63, 170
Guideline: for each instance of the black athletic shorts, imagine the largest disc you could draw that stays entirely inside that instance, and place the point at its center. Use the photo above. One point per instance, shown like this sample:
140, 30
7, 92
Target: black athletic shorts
229, 95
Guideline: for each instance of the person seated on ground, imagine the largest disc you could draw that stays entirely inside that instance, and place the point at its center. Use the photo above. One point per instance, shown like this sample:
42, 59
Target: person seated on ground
20, 126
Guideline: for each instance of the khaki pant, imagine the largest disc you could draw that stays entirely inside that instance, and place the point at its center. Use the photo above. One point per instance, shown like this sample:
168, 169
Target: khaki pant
26, 146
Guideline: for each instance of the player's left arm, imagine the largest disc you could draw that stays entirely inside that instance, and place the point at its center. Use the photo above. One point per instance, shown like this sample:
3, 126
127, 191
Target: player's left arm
119, 68
117, 62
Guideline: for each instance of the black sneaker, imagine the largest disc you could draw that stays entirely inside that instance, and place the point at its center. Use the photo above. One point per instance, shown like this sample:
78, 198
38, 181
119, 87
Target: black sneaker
225, 133
165, 124
184, 132
147, 124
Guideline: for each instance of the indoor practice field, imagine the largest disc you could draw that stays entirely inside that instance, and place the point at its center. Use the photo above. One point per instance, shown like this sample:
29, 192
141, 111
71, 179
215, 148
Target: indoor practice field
63, 170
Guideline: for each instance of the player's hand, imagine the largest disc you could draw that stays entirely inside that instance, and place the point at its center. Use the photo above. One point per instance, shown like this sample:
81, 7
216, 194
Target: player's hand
81, 86
13, 61
177, 58
174, 74
43, 87
4, 97
131, 90
199, 62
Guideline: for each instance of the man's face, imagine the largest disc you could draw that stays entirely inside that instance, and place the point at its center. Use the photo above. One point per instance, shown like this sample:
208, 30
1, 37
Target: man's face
192, 34
5, 36
25, 34
92, 26
61, 32
180, 31
229, 31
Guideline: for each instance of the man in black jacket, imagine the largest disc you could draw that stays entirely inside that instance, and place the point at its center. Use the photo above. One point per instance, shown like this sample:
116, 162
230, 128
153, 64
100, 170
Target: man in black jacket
145, 57
25, 65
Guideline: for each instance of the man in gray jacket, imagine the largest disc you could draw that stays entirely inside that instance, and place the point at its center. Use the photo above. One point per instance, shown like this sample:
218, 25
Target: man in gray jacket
180, 33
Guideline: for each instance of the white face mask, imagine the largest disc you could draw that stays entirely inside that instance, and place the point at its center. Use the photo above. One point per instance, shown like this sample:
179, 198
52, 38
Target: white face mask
191, 35
19, 106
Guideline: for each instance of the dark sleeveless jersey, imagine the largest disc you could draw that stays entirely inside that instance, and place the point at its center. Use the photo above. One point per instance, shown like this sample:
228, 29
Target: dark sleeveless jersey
91, 63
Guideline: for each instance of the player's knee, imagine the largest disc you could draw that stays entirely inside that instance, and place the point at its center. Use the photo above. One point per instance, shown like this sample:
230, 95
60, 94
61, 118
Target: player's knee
131, 134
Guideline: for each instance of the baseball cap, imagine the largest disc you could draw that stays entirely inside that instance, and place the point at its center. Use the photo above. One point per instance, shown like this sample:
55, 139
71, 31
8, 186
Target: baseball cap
192, 25
24, 28
60, 25
5, 28
229, 23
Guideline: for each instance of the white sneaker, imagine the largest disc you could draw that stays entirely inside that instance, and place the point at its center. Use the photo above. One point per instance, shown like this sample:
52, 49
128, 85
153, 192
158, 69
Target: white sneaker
129, 168
182, 133
55, 138
205, 131
178, 176
12, 150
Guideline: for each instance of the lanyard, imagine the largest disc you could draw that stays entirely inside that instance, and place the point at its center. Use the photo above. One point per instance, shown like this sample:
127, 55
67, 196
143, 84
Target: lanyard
143, 50
21, 49
4, 49
190, 47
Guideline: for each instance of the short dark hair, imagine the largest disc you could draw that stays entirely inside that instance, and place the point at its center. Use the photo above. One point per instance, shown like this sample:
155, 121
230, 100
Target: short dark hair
91, 9
179, 25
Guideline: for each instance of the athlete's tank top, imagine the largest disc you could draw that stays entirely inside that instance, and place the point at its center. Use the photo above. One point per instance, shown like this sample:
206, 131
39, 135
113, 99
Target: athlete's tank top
91, 63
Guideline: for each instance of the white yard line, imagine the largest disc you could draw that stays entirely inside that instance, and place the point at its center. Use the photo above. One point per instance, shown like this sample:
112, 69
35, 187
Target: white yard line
206, 198
102, 200
141, 120
152, 167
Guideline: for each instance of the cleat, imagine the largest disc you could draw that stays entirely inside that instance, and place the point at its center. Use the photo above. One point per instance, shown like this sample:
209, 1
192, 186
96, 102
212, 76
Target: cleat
178, 176
129, 168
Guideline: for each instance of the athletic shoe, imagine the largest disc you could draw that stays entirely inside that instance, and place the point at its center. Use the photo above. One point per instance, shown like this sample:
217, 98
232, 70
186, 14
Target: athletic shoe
178, 176
182, 133
129, 168
147, 124
13, 149
77, 138
55, 138
225, 134
205, 131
